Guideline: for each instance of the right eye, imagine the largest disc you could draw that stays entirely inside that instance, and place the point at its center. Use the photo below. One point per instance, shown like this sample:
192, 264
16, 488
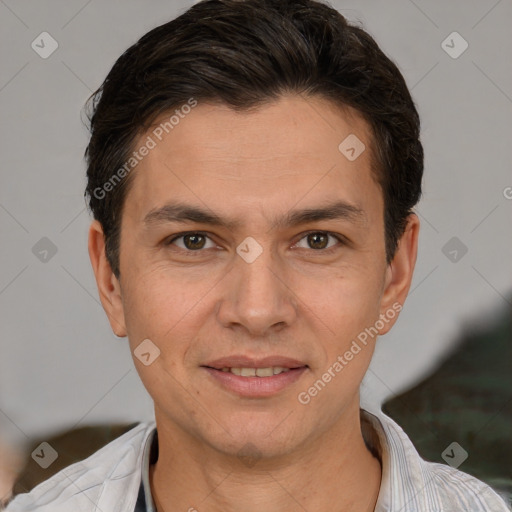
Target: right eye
192, 241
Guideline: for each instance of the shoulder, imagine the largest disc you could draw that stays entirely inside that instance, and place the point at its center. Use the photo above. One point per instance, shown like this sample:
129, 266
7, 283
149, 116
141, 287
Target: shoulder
107, 474
412, 484
459, 491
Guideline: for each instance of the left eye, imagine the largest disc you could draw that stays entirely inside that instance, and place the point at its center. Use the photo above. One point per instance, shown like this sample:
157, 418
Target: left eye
318, 240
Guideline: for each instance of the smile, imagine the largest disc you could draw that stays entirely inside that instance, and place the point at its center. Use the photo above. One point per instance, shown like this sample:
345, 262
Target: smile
256, 372
261, 382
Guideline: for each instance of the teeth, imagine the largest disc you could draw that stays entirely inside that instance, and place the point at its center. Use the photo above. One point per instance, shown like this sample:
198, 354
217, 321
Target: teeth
264, 372
257, 372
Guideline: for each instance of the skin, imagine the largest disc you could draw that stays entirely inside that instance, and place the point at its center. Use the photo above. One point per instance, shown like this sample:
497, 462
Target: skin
293, 300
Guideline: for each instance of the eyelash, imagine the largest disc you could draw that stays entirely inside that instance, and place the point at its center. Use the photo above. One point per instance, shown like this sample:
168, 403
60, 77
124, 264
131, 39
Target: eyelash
342, 241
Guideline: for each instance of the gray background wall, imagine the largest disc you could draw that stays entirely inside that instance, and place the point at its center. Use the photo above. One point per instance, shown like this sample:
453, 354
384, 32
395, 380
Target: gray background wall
60, 365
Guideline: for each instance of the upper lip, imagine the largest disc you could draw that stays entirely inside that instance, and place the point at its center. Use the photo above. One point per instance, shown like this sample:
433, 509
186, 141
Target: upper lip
239, 361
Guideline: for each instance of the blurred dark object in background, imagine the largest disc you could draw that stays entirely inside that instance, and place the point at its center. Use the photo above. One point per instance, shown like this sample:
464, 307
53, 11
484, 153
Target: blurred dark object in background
468, 399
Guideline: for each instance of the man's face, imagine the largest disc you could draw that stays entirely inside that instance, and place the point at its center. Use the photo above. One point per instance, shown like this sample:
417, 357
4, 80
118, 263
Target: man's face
268, 286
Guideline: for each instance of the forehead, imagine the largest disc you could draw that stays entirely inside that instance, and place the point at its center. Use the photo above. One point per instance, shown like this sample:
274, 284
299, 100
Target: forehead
266, 158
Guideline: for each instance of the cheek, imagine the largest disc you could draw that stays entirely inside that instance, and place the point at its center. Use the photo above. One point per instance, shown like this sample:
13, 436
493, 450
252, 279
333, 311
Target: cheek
147, 306
165, 310
159, 311
349, 307
349, 303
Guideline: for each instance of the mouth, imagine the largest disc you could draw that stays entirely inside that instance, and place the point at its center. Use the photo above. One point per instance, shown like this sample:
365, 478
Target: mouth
269, 371
255, 378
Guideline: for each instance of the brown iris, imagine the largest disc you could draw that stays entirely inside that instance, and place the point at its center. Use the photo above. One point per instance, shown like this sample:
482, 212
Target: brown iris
194, 241
318, 240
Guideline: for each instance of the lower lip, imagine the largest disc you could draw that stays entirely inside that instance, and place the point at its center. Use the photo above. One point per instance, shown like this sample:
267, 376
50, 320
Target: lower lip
256, 387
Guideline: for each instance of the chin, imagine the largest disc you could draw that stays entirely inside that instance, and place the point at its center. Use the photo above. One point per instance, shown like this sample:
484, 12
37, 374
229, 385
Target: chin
256, 436
253, 449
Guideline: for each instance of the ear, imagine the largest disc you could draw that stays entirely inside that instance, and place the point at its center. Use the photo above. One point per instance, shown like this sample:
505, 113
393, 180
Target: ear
108, 284
399, 273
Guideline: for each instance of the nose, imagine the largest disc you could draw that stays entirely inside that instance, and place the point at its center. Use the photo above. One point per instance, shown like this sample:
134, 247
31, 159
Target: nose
257, 298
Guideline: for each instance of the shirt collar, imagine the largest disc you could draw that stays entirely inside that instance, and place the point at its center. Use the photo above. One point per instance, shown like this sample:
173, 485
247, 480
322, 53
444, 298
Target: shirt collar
408, 483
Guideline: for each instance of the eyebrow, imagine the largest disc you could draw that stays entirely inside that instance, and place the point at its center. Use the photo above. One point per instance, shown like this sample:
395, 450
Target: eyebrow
179, 212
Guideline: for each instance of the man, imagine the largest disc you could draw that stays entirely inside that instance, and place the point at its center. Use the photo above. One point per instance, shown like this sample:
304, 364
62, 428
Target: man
252, 171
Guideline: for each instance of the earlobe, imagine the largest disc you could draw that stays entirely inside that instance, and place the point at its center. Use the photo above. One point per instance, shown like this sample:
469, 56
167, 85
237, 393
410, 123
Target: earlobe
108, 285
400, 271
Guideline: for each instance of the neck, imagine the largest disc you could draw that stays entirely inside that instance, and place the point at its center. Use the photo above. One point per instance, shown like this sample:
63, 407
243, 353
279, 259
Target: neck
336, 468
